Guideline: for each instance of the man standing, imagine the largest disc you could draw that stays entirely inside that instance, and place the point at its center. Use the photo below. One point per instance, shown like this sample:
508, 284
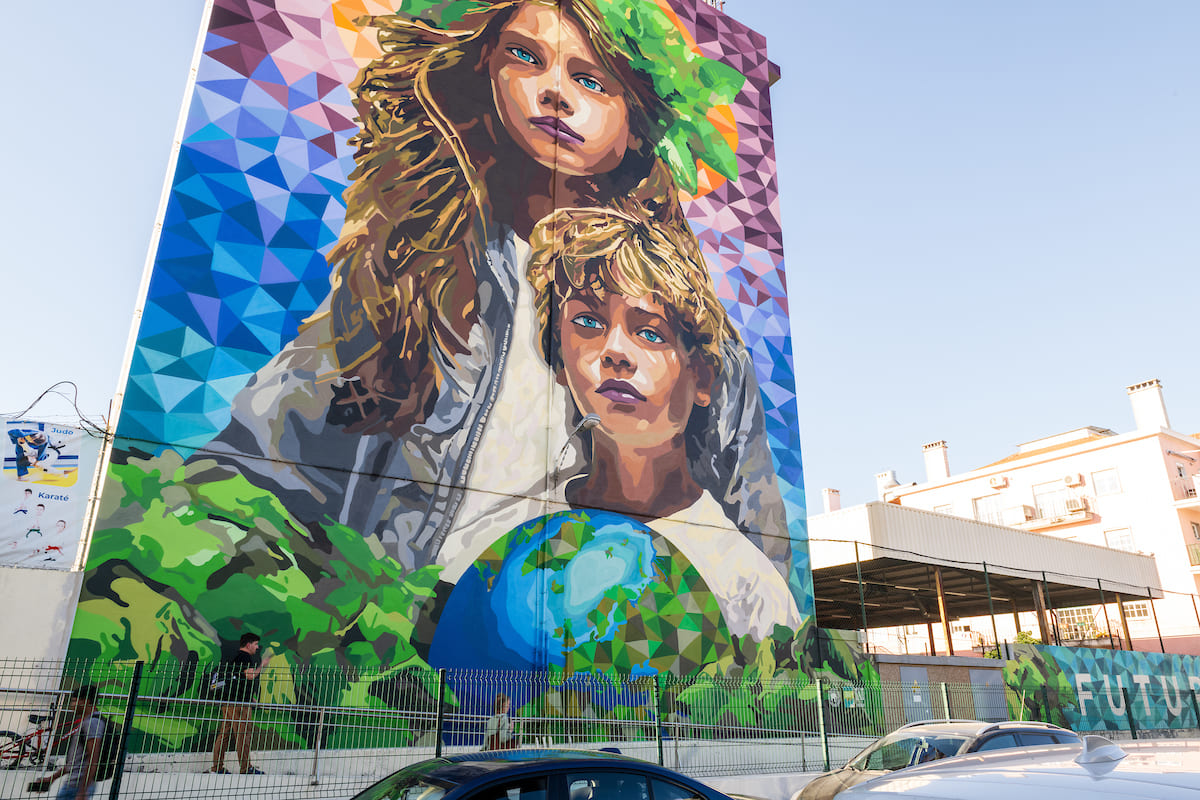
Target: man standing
241, 690
83, 752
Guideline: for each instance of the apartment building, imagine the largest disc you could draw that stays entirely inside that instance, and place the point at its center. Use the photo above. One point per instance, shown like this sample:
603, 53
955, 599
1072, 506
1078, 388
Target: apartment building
1137, 491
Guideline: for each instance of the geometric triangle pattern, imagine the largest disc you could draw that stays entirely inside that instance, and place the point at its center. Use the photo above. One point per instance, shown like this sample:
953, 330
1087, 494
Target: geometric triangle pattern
739, 228
256, 203
254, 206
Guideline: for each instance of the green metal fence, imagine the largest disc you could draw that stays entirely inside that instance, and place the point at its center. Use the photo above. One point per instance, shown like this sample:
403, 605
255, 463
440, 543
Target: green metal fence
322, 731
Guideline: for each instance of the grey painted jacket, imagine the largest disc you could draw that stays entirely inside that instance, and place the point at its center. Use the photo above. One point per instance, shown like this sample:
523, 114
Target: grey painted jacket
405, 490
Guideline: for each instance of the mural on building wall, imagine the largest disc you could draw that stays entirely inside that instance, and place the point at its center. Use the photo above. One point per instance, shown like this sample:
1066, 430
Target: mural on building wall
1088, 689
466, 344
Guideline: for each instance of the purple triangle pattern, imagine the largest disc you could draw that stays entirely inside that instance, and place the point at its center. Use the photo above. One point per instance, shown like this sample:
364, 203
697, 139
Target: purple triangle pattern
255, 205
739, 227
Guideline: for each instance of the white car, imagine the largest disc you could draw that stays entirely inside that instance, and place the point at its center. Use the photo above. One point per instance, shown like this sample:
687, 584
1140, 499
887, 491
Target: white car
1097, 769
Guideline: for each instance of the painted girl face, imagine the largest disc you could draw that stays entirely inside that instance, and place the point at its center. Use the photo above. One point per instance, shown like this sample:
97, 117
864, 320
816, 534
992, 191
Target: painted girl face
623, 362
553, 95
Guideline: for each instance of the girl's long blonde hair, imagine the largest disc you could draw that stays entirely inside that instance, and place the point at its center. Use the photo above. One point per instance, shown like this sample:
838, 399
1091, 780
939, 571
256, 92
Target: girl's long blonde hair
403, 297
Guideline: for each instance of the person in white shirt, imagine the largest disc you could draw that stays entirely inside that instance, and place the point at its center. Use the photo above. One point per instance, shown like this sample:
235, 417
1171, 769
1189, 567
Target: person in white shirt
83, 750
499, 733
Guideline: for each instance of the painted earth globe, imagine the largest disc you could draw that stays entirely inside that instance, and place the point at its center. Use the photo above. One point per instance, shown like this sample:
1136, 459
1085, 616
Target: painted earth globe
582, 591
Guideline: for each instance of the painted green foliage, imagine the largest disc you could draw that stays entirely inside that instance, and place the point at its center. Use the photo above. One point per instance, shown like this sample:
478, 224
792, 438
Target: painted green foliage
1038, 689
778, 690
198, 550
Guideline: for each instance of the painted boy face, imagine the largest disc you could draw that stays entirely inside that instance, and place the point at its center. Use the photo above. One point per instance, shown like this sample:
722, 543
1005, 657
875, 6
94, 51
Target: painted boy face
623, 362
555, 99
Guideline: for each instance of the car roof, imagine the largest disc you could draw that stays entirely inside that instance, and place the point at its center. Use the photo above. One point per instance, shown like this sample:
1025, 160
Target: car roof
463, 767
1156, 770
972, 727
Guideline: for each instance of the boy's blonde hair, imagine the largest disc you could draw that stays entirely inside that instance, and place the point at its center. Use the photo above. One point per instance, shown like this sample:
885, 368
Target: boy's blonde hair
599, 250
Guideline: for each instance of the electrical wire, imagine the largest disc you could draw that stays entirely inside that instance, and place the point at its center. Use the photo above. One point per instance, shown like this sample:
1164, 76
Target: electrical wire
89, 426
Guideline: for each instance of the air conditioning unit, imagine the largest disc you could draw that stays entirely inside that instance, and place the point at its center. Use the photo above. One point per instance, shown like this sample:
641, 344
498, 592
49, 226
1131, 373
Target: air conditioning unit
1074, 479
1076, 504
998, 481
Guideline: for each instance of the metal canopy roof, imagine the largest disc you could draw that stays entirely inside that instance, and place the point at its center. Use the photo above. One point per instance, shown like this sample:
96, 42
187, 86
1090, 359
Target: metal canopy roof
903, 592
899, 551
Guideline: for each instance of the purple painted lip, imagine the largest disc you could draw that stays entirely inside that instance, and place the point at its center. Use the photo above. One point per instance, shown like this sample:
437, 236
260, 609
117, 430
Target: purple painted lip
556, 128
619, 392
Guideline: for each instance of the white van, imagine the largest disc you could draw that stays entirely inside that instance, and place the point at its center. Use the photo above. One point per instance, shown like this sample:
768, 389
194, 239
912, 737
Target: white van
1097, 769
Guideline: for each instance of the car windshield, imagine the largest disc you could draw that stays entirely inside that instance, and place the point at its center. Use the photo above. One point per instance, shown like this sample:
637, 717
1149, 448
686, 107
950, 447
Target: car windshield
905, 748
410, 783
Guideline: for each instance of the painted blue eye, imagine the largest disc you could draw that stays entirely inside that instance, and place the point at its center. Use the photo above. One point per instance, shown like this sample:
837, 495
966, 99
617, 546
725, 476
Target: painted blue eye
523, 54
651, 336
586, 321
589, 83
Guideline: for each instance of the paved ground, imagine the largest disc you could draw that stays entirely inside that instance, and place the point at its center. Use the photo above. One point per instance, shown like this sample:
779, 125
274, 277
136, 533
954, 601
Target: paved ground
342, 773
200, 786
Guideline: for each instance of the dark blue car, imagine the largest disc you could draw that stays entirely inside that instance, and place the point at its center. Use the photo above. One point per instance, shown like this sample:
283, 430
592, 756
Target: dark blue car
537, 775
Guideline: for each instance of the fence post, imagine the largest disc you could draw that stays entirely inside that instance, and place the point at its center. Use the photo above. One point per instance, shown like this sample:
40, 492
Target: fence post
314, 778
946, 700
1129, 712
441, 712
1195, 707
821, 731
658, 725
130, 703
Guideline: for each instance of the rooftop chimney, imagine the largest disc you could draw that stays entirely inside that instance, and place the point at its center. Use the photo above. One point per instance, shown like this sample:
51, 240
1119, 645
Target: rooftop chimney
1149, 410
937, 461
884, 481
833, 499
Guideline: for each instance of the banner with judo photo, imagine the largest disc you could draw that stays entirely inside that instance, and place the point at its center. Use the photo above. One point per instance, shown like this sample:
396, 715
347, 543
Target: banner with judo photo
47, 477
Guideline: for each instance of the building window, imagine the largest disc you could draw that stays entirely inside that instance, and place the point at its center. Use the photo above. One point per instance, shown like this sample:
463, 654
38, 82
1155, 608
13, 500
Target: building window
1196, 530
1105, 482
1194, 554
1180, 470
946, 509
1139, 610
1050, 499
987, 509
1078, 623
1120, 539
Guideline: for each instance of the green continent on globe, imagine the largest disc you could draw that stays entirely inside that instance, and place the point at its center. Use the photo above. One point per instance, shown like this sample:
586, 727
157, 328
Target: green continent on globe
597, 591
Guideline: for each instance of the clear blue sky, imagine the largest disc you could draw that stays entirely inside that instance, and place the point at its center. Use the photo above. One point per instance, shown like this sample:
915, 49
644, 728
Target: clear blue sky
991, 212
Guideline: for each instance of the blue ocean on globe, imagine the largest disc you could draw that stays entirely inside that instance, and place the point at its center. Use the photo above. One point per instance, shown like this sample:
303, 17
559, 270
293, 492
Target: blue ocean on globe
541, 590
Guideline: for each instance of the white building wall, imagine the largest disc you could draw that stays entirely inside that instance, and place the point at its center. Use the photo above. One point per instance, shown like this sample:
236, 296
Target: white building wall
41, 609
1152, 503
